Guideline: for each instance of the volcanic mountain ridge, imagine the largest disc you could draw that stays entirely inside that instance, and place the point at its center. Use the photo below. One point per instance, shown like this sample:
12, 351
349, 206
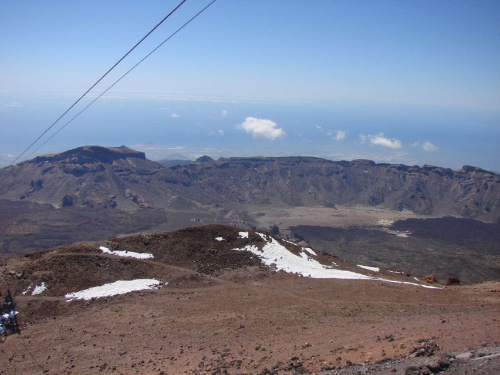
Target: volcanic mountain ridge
122, 178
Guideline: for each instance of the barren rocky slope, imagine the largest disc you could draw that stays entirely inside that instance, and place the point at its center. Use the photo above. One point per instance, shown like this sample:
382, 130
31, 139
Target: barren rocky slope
120, 177
87, 176
220, 310
197, 254
305, 181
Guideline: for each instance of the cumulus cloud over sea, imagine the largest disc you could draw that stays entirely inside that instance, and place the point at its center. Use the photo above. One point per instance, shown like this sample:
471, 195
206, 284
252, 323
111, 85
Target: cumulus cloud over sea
380, 140
339, 135
428, 146
261, 128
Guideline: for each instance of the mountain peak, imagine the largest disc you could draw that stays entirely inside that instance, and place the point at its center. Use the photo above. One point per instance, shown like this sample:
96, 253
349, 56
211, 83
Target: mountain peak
92, 154
204, 159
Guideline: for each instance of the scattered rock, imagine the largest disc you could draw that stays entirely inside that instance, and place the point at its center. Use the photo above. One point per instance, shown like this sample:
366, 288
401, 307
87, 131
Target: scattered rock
430, 279
426, 348
465, 355
453, 281
439, 364
413, 370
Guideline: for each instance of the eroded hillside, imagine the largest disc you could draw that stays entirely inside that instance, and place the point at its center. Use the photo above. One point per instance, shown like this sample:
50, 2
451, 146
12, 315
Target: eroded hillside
122, 178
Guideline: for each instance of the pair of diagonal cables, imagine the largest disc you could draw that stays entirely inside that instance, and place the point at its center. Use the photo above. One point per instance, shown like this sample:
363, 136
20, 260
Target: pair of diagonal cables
118, 80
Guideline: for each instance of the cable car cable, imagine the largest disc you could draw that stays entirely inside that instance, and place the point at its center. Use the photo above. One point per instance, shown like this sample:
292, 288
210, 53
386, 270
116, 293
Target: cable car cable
99, 80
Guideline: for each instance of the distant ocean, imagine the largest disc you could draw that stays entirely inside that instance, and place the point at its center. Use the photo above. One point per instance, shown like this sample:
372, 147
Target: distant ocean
189, 127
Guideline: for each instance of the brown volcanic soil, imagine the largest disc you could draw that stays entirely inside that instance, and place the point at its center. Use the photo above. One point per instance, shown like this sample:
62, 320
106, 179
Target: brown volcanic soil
249, 326
223, 312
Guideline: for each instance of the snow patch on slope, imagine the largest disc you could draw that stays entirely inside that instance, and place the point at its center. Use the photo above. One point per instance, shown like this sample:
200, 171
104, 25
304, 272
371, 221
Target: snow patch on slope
310, 251
374, 269
124, 253
38, 289
275, 254
113, 289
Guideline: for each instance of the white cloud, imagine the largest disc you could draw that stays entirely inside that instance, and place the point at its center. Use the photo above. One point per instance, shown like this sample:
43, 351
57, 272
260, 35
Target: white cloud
224, 112
175, 115
379, 139
428, 146
337, 135
261, 128
221, 132
341, 134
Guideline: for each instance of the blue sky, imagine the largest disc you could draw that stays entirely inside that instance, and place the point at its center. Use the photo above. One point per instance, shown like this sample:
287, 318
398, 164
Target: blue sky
410, 82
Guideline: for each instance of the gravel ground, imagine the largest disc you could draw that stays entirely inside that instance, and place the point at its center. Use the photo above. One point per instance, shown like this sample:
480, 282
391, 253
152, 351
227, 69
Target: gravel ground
280, 324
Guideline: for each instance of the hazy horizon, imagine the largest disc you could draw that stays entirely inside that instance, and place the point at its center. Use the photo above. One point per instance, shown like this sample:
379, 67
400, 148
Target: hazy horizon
413, 83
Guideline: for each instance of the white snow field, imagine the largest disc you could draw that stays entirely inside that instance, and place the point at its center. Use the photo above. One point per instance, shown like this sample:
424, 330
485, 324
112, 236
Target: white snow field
113, 289
273, 253
124, 253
